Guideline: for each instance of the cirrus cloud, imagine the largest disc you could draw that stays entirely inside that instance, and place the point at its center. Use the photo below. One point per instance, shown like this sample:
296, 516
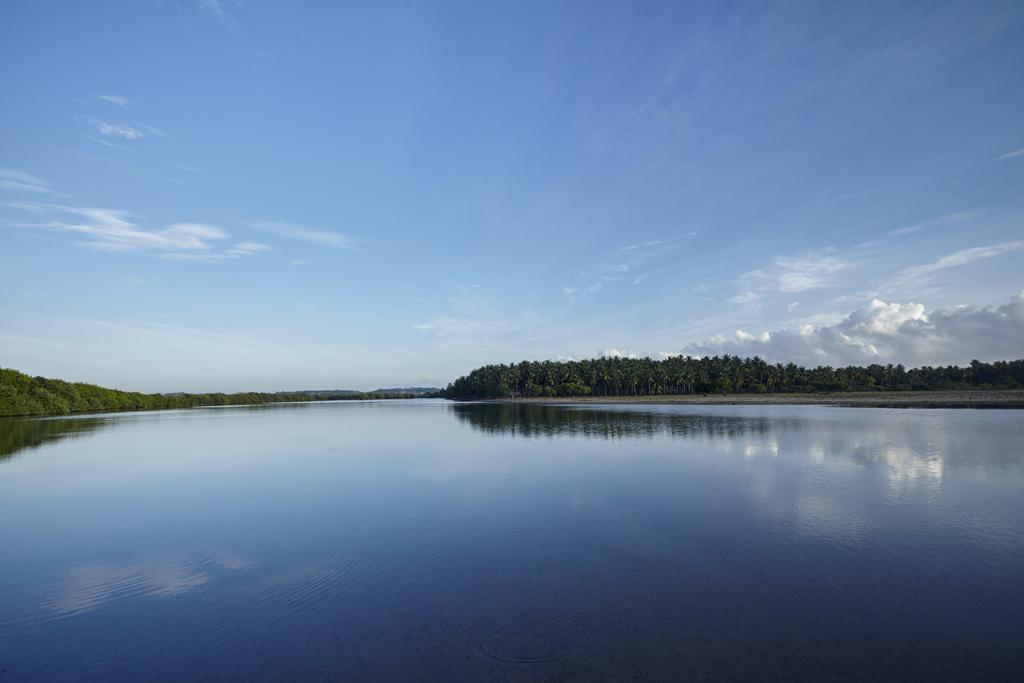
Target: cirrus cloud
324, 238
117, 231
22, 181
115, 99
118, 130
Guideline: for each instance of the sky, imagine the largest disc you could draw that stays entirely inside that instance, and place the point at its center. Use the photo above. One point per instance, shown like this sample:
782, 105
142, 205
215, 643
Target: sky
201, 195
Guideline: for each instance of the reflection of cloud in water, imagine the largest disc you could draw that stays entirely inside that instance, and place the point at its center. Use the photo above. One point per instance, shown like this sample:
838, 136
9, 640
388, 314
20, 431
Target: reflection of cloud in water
825, 471
86, 587
906, 467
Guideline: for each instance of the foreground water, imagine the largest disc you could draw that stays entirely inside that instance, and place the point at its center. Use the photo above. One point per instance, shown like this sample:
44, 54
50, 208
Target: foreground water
426, 540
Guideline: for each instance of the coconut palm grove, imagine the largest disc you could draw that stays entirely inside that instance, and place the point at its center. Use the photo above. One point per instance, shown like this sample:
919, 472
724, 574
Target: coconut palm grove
617, 376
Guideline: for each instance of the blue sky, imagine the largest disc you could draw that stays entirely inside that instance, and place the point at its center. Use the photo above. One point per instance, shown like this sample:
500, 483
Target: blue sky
202, 195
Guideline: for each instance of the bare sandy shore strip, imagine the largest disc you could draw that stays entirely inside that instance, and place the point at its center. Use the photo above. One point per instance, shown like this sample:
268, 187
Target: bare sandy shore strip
891, 399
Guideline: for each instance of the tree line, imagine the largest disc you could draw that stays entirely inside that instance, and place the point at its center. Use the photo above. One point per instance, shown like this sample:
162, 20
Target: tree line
21, 394
616, 376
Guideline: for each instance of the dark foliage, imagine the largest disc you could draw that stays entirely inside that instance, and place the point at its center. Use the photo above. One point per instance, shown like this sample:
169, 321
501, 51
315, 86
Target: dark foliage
21, 394
718, 374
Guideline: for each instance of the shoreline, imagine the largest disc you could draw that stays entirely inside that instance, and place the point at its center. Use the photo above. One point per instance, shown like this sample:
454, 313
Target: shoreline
983, 398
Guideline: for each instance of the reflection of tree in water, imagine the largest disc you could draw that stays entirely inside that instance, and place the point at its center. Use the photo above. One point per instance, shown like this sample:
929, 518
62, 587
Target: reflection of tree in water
530, 420
908, 448
18, 434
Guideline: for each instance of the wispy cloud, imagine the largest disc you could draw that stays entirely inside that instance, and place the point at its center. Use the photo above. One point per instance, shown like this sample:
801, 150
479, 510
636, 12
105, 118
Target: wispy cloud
572, 292
20, 181
188, 169
748, 298
215, 9
445, 325
118, 130
808, 272
940, 220
246, 249
116, 231
115, 99
218, 9
1011, 155
239, 250
152, 129
640, 277
916, 274
657, 243
790, 275
964, 256
108, 143
855, 194
298, 232
112, 230
123, 131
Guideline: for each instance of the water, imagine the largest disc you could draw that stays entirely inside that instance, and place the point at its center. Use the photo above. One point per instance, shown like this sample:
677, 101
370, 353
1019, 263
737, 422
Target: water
423, 540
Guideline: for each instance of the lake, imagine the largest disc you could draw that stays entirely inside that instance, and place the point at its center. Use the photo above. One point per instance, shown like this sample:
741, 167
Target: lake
428, 540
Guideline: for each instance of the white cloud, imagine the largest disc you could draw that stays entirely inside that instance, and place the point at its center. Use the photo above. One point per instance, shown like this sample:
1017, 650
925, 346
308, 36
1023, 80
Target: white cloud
571, 292
111, 230
790, 275
963, 257
246, 249
11, 179
894, 332
617, 353
115, 99
944, 219
445, 325
304, 234
152, 129
742, 336
107, 143
118, 130
746, 298
1011, 155
657, 243
188, 169
214, 9
114, 230
879, 317
792, 306
240, 250
808, 272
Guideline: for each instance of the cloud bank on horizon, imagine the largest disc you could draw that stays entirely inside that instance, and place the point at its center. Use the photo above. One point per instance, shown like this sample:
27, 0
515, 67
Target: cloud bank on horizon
882, 333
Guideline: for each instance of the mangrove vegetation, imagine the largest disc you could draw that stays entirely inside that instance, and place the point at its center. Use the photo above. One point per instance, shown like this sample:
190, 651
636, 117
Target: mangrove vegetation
21, 394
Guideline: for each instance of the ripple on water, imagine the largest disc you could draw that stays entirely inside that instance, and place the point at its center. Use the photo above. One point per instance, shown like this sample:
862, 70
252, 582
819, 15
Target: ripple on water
524, 633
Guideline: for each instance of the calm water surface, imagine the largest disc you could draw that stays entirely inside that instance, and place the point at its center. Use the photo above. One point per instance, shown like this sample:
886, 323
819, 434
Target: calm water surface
423, 540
